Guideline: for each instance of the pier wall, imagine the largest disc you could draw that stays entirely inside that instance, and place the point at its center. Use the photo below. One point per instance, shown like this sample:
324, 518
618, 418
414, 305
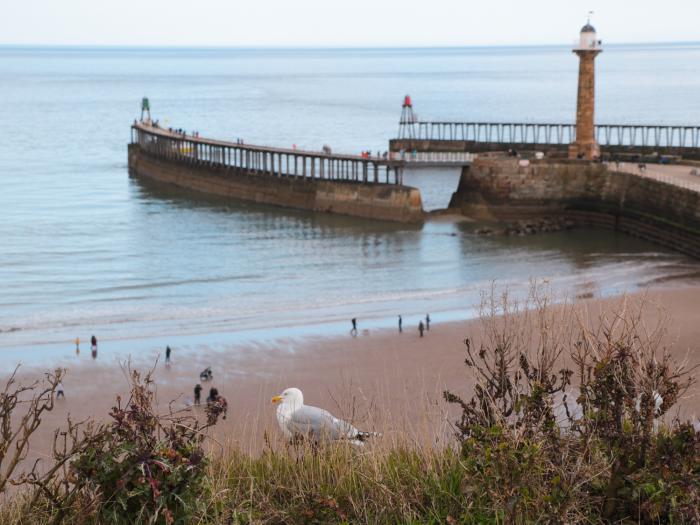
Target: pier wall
500, 189
374, 201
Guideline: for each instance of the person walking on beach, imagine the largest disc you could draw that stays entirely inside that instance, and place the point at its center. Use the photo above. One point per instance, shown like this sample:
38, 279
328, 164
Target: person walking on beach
197, 394
427, 322
421, 328
77, 345
400, 325
216, 404
354, 326
167, 354
93, 342
213, 395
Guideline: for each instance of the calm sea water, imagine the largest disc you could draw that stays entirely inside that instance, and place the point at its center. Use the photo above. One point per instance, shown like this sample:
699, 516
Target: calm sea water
85, 249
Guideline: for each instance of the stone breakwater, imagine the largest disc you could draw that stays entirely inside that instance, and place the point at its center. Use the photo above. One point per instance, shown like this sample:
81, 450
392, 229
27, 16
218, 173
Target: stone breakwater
585, 193
373, 201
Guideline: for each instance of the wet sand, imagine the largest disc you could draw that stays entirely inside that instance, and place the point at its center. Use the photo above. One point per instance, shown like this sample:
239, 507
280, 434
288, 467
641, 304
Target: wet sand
383, 380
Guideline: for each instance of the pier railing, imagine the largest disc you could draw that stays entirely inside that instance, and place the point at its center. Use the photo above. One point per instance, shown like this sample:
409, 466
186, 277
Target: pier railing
632, 135
433, 157
263, 160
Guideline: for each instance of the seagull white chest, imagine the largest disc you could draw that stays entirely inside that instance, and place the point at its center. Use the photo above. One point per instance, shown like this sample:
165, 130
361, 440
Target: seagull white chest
284, 416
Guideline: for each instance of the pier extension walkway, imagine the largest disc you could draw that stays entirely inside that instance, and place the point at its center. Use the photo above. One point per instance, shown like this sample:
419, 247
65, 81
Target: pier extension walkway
479, 137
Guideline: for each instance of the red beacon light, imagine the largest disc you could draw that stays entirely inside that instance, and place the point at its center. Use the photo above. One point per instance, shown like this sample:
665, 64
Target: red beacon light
407, 101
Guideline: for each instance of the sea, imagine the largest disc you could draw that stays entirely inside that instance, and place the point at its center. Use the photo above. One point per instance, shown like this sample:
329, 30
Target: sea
85, 249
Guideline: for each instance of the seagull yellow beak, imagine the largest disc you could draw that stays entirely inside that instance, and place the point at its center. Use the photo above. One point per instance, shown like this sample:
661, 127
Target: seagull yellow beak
276, 399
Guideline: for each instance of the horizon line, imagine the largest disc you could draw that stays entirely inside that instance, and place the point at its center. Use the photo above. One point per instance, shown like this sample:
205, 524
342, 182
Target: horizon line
322, 47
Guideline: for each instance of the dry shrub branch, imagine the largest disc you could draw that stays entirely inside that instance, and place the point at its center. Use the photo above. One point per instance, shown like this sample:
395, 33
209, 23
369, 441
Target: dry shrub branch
21, 411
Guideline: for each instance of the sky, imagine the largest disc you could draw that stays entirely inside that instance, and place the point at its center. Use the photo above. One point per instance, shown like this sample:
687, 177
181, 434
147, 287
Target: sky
348, 23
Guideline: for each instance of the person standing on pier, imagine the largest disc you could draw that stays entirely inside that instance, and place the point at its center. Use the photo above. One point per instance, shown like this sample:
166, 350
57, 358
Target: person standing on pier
400, 324
427, 322
421, 328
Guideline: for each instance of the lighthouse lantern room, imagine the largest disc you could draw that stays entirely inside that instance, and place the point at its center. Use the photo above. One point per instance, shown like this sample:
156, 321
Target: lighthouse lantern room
589, 39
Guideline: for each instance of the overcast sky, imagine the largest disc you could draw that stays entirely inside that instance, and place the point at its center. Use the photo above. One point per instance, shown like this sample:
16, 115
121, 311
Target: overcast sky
341, 22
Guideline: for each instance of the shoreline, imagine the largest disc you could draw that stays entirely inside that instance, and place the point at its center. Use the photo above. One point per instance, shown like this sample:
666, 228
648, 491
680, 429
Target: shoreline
390, 382
295, 328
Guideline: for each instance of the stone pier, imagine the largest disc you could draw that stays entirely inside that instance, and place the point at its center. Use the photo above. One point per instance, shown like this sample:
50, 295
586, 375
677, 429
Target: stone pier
588, 193
343, 184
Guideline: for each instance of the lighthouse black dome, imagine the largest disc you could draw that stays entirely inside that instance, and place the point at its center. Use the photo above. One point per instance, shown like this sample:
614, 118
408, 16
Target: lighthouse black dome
588, 28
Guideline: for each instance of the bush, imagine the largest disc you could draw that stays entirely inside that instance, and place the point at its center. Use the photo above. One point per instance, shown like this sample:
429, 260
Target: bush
145, 468
141, 467
533, 455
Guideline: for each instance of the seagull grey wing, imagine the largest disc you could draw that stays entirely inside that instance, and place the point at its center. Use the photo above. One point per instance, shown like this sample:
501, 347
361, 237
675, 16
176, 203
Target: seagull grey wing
321, 423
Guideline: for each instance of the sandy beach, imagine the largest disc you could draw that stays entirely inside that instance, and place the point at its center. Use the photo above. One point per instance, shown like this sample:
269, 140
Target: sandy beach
382, 380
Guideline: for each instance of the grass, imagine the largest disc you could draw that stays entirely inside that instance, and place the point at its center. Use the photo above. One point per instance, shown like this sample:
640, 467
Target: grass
336, 484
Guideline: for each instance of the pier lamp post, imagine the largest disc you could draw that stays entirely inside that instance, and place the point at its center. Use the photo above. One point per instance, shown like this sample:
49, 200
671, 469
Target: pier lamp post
585, 146
145, 111
407, 123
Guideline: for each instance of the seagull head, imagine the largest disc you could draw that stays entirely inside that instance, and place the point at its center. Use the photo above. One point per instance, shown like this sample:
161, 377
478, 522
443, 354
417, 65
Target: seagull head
291, 396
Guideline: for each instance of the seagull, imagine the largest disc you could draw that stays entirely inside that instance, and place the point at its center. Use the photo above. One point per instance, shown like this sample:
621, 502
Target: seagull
295, 418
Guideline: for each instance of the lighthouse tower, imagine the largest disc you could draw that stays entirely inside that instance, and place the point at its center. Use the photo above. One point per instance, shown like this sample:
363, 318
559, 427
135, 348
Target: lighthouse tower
588, 47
